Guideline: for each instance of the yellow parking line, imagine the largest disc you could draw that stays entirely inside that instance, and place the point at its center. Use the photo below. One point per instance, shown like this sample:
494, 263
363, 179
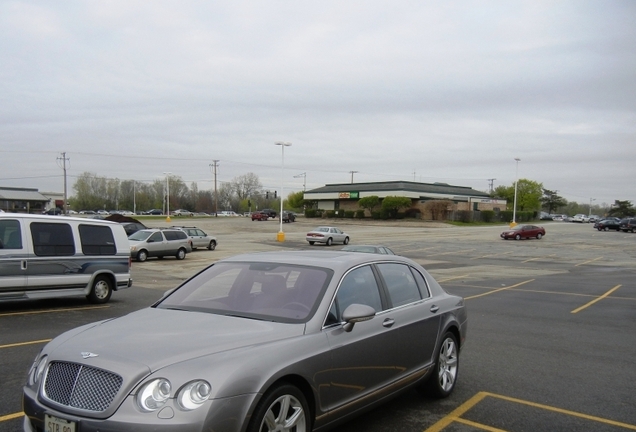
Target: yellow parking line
452, 278
457, 412
589, 261
596, 299
25, 343
492, 255
53, 310
538, 258
11, 416
479, 425
497, 290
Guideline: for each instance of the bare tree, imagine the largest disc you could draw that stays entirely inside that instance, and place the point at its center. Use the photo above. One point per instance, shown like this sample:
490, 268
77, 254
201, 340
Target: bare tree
246, 186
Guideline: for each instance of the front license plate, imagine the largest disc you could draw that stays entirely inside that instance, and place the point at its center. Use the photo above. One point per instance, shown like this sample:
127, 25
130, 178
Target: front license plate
56, 424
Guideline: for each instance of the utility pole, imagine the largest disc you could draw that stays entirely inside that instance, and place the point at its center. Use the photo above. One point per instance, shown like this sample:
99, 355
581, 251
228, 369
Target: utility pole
352, 173
63, 158
491, 182
216, 195
304, 176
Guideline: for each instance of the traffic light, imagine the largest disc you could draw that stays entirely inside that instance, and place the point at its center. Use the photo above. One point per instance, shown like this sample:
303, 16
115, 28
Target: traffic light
275, 195
267, 195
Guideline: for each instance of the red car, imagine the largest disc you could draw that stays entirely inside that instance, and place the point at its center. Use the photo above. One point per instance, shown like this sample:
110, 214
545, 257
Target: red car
260, 216
523, 231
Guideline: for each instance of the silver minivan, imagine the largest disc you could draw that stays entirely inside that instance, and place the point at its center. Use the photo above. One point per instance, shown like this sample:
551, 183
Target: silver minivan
155, 242
56, 256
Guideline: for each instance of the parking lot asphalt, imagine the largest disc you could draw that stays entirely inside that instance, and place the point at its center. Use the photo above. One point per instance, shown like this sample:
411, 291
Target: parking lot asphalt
551, 342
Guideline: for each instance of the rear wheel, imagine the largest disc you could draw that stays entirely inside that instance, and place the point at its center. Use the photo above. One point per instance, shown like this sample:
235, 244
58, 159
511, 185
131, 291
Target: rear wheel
442, 381
329, 241
212, 245
181, 253
142, 255
311, 243
283, 408
101, 290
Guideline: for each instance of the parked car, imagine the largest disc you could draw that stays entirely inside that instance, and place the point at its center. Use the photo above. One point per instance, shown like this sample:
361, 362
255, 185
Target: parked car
594, 218
259, 216
198, 238
132, 227
523, 232
154, 212
607, 224
270, 212
580, 218
182, 212
86, 212
226, 213
368, 249
327, 235
54, 211
289, 216
276, 341
628, 225
159, 243
560, 217
55, 256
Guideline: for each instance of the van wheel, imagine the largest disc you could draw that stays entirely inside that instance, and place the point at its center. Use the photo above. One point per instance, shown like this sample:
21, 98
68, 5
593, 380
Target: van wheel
181, 253
212, 245
142, 255
101, 290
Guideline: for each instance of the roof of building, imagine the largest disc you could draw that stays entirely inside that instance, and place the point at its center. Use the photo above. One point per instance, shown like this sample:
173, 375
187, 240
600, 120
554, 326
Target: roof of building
21, 194
407, 186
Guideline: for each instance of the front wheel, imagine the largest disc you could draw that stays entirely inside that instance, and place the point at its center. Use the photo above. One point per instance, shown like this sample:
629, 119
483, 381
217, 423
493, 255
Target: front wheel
346, 240
517, 237
442, 382
181, 253
606, 229
539, 236
142, 255
212, 245
101, 290
283, 408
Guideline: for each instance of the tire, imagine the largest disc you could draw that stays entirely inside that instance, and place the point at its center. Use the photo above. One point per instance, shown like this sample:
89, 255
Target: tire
329, 241
212, 245
442, 381
101, 290
142, 255
311, 243
518, 237
181, 254
346, 240
282, 408
606, 229
539, 236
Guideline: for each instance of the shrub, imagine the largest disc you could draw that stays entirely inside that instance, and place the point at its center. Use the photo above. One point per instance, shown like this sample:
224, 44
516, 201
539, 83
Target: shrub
487, 215
413, 213
349, 214
360, 214
330, 214
310, 213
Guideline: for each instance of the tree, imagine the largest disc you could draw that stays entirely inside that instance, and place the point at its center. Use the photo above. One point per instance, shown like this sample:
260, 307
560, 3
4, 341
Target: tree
551, 201
529, 195
369, 202
393, 204
622, 209
438, 208
246, 186
296, 200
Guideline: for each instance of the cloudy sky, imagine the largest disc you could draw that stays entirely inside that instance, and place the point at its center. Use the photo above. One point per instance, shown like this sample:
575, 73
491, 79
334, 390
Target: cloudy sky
446, 91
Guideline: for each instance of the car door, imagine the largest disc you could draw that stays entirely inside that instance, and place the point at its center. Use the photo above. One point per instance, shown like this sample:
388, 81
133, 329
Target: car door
199, 238
336, 235
157, 244
13, 255
364, 359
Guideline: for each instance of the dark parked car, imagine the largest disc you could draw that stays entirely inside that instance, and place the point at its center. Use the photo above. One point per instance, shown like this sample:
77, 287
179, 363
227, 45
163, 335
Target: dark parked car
155, 212
289, 216
54, 211
607, 224
132, 227
289, 341
628, 225
259, 216
523, 232
270, 212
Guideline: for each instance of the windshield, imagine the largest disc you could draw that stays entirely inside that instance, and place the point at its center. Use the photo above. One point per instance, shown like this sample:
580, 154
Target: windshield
268, 291
140, 235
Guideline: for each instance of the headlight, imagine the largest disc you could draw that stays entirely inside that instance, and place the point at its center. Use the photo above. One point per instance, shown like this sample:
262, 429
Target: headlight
37, 370
154, 394
192, 395
133, 248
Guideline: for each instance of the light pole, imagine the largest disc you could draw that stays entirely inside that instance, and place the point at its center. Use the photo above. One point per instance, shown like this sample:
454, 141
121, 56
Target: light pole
590, 211
167, 196
281, 235
514, 208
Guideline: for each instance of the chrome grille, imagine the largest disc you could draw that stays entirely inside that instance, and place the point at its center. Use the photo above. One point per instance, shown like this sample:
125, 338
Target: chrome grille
80, 386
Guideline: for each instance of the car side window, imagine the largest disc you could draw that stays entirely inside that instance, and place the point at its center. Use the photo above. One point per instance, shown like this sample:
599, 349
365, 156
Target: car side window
400, 283
421, 282
10, 234
358, 286
156, 237
52, 239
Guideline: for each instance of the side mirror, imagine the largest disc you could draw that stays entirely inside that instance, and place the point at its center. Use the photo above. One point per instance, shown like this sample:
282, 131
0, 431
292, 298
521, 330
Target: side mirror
356, 313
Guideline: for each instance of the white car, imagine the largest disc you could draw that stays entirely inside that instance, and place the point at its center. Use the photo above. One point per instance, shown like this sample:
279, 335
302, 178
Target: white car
581, 218
327, 235
227, 213
182, 212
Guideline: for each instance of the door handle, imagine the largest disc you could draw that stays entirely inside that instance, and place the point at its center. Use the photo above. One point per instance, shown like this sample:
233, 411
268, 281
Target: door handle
434, 308
23, 265
388, 322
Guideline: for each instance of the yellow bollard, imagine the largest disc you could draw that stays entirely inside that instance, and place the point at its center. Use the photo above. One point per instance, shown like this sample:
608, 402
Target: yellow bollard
168, 219
513, 224
280, 236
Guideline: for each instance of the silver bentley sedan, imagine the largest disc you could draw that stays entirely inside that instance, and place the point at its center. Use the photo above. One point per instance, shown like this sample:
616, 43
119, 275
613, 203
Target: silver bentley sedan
278, 341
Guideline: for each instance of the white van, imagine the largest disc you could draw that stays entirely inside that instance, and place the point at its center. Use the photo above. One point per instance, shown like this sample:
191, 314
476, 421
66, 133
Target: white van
57, 256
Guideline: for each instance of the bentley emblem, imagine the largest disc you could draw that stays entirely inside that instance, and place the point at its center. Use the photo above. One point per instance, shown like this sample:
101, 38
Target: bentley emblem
89, 355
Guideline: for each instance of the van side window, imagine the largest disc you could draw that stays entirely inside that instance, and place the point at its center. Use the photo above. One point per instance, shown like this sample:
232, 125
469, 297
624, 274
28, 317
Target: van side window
170, 235
52, 239
10, 234
97, 240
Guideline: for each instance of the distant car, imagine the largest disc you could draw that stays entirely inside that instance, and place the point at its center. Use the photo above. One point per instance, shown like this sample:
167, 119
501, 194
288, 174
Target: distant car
86, 212
523, 232
198, 237
278, 341
289, 216
560, 217
159, 243
132, 227
327, 235
607, 224
259, 216
628, 225
580, 218
383, 250
270, 212
154, 212
594, 218
227, 213
103, 212
54, 211
182, 212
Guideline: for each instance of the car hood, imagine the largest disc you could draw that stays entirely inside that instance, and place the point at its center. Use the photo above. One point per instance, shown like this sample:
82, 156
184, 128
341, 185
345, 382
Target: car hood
151, 339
